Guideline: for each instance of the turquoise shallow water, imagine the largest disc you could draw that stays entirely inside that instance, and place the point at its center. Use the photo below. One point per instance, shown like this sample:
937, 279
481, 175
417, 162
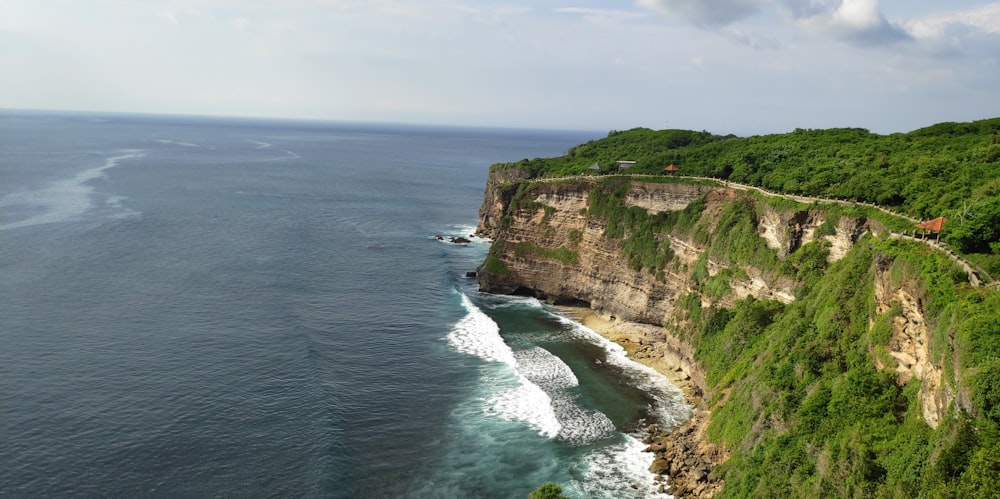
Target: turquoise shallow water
194, 307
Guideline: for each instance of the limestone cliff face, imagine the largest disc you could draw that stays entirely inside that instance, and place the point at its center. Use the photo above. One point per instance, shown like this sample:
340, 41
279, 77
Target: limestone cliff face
553, 215
910, 345
501, 185
803, 227
557, 217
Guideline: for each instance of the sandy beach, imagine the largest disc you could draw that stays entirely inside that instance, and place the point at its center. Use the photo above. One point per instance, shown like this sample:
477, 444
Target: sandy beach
643, 343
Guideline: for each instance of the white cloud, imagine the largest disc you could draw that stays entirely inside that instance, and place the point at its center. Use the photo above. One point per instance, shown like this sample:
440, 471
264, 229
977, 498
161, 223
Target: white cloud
859, 15
751, 38
706, 12
743, 66
985, 19
593, 13
240, 23
167, 15
856, 21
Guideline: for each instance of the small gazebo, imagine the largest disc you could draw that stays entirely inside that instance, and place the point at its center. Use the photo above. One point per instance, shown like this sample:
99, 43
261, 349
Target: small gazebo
672, 169
624, 164
933, 226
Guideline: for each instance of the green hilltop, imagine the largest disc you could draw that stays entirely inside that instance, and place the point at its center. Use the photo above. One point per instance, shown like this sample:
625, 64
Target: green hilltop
949, 169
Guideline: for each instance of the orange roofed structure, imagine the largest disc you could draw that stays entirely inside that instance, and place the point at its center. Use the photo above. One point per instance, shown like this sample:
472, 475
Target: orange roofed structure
672, 169
933, 225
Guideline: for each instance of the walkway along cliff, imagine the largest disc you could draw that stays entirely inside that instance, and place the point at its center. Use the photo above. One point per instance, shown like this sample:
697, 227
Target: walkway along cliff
774, 310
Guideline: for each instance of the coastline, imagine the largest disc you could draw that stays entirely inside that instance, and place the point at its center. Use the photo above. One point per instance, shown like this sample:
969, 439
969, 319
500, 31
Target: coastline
642, 344
683, 456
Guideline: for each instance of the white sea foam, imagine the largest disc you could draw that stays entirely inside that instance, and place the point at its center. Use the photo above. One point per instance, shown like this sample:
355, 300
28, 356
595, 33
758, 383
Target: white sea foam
545, 369
509, 301
620, 467
671, 408
580, 426
477, 334
463, 231
260, 145
517, 397
178, 143
267, 145
66, 199
527, 403
577, 425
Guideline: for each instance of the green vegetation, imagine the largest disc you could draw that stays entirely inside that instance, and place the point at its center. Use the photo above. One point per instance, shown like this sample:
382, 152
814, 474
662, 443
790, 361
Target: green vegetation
948, 169
808, 412
574, 236
801, 402
547, 491
926, 172
735, 238
493, 263
560, 254
644, 237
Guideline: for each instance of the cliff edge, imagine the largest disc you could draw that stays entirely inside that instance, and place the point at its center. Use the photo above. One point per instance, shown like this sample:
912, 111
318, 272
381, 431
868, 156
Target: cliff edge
704, 271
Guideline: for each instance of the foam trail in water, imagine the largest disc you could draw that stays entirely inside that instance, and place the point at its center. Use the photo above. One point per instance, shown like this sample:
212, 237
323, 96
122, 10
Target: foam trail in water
579, 425
621, 467
177, 143
672, 408
494, 302
527, 403
518, 399
478, 335
267, 145
463, 231
63, 200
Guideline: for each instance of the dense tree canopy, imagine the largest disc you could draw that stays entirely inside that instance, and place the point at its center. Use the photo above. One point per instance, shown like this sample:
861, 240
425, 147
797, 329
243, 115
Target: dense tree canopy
926, 172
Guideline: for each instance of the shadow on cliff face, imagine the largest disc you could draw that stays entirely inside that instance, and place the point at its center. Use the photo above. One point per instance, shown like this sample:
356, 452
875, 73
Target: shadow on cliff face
568, 301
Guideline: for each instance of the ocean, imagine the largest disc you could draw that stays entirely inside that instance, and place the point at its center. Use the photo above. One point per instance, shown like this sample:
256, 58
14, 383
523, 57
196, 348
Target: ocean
196, 307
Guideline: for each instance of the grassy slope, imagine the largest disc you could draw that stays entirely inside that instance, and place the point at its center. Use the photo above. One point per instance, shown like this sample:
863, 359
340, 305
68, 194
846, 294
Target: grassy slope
809, 414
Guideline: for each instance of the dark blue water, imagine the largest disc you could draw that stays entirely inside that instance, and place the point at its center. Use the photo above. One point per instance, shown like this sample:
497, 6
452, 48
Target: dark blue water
199, 307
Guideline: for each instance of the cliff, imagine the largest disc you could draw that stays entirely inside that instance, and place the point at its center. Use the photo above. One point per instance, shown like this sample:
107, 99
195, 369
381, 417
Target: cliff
715, 270
547, 216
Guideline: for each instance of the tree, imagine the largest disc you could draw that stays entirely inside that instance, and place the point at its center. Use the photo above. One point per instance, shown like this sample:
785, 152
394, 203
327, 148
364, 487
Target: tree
978, 228
547, 491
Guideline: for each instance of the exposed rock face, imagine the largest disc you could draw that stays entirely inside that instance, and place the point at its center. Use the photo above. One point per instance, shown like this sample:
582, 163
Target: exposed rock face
685, 455
788, 231
910, 343
501, 185
554, 216
557, 217
600, 277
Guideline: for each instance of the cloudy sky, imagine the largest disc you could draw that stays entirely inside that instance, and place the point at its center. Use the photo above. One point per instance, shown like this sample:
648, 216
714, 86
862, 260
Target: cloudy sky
727, 66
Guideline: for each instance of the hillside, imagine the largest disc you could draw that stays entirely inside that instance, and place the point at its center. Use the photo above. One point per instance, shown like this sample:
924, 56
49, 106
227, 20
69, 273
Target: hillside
830, 355
948, 169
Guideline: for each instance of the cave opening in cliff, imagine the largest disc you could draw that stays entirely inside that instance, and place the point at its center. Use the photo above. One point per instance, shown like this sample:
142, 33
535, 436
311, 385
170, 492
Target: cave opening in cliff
568, 301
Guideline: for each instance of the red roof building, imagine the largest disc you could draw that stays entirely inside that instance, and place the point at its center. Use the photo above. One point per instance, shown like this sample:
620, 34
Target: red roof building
933, 225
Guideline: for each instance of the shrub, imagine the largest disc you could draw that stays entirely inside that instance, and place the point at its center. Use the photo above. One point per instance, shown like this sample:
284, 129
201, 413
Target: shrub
547, 491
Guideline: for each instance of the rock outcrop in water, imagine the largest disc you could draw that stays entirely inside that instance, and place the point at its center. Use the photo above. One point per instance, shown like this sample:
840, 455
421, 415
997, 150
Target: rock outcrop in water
549, 243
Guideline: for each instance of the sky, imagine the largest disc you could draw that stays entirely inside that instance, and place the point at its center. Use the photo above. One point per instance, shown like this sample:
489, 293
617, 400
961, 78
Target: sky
727, 66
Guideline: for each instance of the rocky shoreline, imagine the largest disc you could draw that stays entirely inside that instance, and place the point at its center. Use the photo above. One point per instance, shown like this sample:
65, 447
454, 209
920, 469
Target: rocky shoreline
683, 456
